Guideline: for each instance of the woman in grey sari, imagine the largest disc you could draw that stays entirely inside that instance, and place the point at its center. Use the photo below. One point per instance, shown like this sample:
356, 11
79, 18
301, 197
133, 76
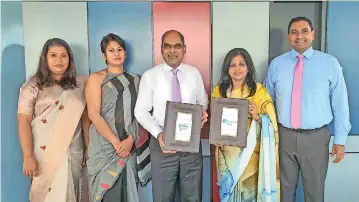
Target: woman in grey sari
118, 149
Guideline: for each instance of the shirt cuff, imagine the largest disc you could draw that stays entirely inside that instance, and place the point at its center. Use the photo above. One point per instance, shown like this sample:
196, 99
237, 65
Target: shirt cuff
340, 139
156, 131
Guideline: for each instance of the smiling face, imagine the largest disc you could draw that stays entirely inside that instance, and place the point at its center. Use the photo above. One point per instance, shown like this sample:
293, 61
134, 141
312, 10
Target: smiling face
57, 60
115, 54
173, 49
238, 69
300, 36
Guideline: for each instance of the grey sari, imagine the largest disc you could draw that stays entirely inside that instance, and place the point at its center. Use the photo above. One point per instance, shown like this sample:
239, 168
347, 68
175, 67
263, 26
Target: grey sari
113, 178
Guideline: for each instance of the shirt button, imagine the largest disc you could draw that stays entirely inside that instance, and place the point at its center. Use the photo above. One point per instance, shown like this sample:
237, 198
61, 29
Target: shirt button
49, 189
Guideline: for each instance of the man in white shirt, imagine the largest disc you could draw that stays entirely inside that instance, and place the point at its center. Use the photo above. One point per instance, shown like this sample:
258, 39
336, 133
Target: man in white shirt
177, 82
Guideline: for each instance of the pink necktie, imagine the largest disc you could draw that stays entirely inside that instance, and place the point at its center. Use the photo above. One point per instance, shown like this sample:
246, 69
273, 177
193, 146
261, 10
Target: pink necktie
176, 88
296, 110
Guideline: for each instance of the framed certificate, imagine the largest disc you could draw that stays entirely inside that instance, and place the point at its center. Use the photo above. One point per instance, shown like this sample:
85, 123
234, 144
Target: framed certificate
229, 122
182, 129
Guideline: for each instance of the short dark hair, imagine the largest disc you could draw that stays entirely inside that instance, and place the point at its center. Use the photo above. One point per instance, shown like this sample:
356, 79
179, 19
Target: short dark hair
43, 73
111, 37
297, 19
169, 31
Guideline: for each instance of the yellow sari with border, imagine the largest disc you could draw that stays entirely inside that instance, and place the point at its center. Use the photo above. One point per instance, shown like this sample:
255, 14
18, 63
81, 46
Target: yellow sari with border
246, 189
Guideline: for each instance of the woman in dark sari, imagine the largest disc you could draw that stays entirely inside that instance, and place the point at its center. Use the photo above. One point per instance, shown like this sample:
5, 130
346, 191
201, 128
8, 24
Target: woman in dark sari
115, 137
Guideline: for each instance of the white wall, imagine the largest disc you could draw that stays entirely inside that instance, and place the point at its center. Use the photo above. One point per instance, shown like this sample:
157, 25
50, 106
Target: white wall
240, 25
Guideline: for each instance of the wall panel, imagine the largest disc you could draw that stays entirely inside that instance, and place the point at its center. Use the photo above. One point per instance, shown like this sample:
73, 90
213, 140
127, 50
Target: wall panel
132, 21
343, 43
193, 21
345, 174
240, 25
14, 185
280, 15
43, 20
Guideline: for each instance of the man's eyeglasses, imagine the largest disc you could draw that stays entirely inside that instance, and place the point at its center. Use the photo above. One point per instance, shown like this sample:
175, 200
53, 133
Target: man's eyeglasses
169, 46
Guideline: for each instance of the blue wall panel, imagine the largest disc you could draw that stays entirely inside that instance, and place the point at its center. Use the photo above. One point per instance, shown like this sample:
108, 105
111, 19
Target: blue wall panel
132, 21
343, 43
14, 185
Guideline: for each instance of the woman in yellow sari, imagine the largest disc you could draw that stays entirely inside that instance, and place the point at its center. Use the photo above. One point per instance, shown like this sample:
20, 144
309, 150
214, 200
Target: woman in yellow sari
238, 81
53, 126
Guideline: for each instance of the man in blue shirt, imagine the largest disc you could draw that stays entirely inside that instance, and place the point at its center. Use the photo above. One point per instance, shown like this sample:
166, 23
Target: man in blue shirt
309, 91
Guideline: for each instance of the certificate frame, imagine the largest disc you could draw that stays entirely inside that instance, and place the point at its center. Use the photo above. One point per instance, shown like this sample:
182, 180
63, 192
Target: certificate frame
193, 145
217, 105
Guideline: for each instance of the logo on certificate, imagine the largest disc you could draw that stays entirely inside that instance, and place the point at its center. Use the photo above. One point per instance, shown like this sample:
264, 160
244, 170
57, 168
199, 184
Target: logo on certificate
183, 127
229, 122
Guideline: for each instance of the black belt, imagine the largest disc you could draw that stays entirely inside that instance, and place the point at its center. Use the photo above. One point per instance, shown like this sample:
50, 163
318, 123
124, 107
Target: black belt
299, 130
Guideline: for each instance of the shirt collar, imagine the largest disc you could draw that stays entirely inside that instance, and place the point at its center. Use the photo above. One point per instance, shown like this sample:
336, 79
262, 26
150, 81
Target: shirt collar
307, 54
167, 68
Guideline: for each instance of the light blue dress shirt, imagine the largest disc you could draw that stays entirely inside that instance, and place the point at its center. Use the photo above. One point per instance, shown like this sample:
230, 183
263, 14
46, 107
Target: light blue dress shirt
324, 92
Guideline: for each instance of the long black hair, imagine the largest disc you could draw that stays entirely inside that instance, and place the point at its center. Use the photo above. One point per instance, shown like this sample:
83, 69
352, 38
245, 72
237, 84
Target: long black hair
226, 82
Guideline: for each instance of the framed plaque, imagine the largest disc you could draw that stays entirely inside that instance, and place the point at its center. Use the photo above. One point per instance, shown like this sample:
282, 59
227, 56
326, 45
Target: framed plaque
229, 122
182, 128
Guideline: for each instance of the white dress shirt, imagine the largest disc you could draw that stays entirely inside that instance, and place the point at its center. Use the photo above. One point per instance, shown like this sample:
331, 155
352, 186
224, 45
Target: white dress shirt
156, 89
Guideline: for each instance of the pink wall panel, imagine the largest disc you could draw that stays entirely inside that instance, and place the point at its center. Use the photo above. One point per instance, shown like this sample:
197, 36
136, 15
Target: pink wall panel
192, 19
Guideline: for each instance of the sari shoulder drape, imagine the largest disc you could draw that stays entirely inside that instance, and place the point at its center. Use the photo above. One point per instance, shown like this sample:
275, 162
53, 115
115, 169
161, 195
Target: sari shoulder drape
119, 94
228, 156
268, 176
27, 97
53, 130
267, 108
